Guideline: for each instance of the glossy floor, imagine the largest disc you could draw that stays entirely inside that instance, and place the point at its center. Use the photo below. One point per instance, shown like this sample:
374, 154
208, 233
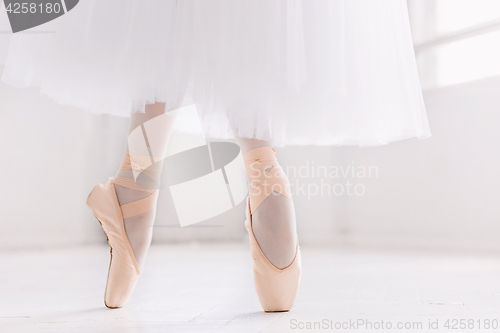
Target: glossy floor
209, 288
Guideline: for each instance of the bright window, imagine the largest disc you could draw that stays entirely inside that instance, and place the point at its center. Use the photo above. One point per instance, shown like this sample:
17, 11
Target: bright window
456, 41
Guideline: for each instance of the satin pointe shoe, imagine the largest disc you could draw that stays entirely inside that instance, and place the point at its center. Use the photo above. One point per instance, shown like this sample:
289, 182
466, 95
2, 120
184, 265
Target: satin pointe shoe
276, 288
124, 270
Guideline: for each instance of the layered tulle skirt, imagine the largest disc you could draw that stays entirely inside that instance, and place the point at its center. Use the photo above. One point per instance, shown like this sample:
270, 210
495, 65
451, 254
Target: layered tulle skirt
310, 72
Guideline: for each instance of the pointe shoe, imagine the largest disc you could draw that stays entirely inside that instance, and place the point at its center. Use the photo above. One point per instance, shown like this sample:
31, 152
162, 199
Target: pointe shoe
276, 288
124, 270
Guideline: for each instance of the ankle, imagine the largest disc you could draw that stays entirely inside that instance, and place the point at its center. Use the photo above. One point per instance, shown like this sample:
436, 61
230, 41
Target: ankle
247, 144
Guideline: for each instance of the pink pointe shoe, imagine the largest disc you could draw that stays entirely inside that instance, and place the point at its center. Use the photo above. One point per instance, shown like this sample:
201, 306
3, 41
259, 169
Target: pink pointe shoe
124, 270
276, 288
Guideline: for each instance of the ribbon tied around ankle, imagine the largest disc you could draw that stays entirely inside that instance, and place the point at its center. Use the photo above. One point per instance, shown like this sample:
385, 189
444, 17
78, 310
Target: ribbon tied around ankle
265, 175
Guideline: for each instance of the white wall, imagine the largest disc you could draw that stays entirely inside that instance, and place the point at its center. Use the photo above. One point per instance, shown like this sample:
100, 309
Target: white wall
51, 156
439, 193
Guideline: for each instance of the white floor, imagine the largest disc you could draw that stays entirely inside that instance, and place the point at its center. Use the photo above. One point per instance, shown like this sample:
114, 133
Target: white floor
209, 288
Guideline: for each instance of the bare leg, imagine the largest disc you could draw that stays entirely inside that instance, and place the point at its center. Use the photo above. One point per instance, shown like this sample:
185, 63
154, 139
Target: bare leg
273, 222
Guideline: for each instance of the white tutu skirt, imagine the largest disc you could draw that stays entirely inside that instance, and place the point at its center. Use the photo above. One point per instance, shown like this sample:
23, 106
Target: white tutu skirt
311, 72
